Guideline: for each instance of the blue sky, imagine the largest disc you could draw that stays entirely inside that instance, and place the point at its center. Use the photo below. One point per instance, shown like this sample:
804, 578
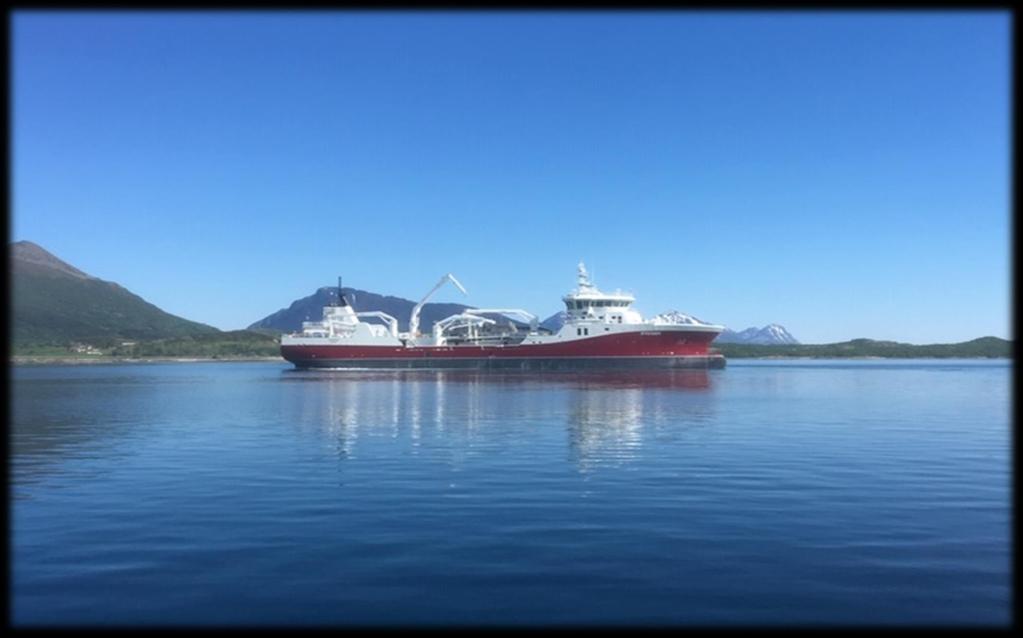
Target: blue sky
842, 174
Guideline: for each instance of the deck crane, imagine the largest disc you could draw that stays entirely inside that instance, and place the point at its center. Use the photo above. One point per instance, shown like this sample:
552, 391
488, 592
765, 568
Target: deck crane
413, 324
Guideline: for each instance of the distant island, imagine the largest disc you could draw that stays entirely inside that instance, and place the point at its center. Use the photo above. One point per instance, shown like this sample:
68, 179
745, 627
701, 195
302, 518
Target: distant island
63, 314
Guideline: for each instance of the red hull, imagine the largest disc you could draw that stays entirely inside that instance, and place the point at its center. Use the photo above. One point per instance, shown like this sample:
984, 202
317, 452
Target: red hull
651, 344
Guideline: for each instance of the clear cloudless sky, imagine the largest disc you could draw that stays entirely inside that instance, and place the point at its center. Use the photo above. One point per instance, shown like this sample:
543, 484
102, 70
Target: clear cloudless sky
844, 174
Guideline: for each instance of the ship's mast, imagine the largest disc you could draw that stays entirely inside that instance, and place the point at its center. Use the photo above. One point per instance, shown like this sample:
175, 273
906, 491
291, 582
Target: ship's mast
584, 278
341, 301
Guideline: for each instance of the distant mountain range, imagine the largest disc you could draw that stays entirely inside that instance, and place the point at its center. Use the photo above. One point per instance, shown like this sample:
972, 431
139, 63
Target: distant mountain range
54, 302
57, 305
771, 334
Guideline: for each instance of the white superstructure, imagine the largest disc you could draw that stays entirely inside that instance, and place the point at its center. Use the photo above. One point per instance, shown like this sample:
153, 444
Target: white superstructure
589, 313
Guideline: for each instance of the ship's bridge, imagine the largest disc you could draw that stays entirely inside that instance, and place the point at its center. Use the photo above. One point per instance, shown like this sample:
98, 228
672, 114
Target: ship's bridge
587, 303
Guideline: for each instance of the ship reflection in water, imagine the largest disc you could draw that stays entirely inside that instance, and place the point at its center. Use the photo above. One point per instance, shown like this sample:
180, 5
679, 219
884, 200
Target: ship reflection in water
608, 416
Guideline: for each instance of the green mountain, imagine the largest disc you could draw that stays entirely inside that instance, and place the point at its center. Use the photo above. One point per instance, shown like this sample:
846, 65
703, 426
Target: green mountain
55, 304
991, 347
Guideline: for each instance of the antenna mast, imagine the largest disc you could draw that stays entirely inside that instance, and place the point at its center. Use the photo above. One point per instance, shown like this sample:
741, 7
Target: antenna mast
341, 301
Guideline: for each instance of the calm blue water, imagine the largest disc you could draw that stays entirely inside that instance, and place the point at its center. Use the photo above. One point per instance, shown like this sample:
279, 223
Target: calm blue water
770, 492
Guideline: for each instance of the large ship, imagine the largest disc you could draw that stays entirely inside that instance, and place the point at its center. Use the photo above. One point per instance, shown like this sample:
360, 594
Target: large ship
601, 330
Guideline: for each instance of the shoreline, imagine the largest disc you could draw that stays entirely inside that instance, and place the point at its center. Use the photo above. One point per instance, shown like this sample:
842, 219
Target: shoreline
100, 360
860, 357
55, 360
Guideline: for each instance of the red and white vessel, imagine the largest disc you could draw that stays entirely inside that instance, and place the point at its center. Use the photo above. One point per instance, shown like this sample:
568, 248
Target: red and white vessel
601, 330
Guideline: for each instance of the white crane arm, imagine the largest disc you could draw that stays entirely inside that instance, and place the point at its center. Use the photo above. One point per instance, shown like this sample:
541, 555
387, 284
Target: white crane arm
457, 321
413, 324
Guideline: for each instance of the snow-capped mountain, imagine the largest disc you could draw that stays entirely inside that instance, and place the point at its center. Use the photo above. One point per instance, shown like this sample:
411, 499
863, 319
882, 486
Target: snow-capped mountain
675, 317
768, 335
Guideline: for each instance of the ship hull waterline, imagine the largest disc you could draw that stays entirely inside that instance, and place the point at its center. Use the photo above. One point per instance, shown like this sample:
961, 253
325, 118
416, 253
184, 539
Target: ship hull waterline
518, 363
648, 349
